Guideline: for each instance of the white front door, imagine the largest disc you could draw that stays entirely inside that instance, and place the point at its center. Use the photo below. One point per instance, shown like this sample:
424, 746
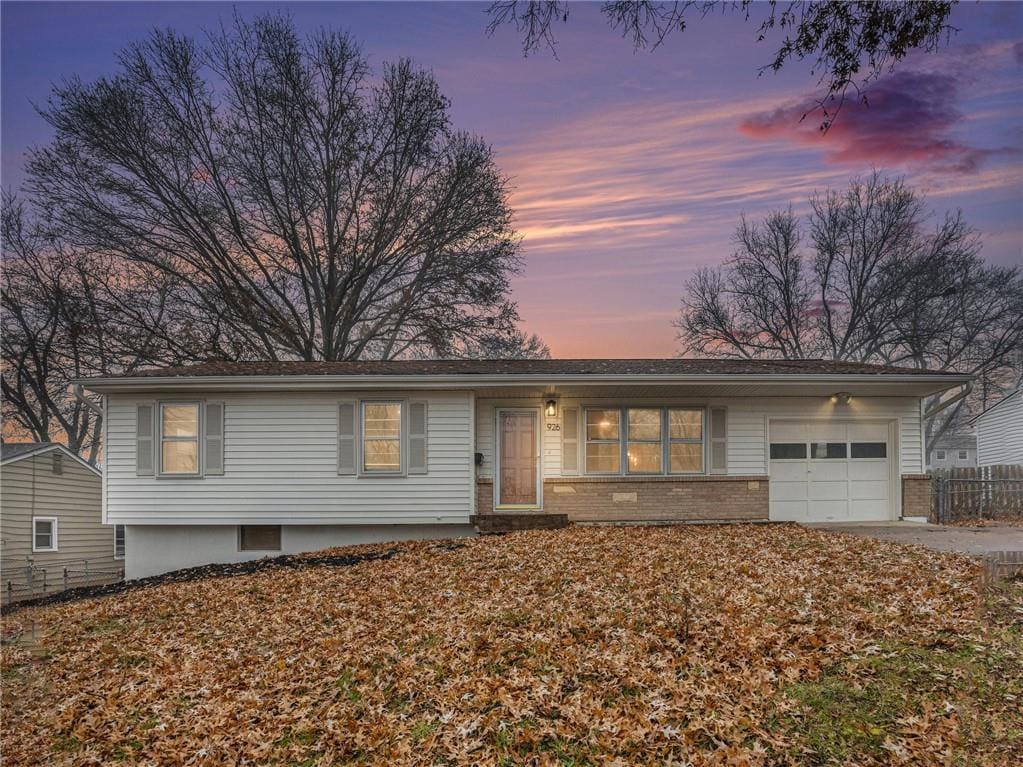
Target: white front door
830, 471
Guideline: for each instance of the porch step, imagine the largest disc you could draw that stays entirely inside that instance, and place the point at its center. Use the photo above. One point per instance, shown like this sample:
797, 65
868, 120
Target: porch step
503, 522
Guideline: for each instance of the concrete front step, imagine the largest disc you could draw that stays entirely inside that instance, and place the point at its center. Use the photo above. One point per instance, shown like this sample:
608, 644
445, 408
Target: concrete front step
507, 522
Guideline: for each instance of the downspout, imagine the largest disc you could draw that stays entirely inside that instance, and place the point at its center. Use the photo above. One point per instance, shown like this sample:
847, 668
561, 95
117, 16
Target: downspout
79, 394
967, 390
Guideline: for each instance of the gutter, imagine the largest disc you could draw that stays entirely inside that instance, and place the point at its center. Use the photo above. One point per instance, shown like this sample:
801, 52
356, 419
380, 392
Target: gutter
79, 394
967, 389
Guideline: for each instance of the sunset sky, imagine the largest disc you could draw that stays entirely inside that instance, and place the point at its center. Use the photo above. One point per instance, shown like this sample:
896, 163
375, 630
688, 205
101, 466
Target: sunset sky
629, 169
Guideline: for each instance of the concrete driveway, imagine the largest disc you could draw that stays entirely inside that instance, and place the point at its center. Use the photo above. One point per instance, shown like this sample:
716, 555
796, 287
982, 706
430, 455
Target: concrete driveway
968, 540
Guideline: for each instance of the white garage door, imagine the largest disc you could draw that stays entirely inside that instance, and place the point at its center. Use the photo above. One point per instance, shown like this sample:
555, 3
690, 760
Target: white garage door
830, 472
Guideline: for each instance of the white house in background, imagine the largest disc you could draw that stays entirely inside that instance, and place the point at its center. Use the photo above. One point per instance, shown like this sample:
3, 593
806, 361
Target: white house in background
1000, 431
51, 522
953, 451
229, 461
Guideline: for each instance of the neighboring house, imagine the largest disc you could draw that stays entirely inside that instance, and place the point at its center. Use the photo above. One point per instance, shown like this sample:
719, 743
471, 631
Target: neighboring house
229, 461
1000, 431
953, 451
51, 522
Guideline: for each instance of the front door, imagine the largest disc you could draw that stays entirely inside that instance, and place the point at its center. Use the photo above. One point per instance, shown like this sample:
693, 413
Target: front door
517, 458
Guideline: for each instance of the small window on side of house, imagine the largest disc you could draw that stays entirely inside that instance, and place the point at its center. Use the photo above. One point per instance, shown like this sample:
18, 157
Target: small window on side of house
58, 463
259, 538
381, 438
939, 455
118, 541
962, 455
44, 534
179, 438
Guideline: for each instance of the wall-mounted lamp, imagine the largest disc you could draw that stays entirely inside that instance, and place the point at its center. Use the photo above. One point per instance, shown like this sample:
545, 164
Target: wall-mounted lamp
552, 408
843, 396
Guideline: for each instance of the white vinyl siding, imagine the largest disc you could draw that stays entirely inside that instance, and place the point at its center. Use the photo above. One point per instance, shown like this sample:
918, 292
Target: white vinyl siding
746, 425
1000, 433
281, 466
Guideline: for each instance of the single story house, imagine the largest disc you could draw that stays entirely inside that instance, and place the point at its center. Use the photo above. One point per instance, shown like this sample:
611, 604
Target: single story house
52, 534
1000, 431
953, 451
229, 461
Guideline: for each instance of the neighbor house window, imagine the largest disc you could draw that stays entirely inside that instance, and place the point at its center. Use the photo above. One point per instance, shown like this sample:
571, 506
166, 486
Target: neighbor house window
118, 541
57, 465
179, 438
259, 538
603, 441
381, 437
44, 533
644, 450
685, 440
962, 455
939, 454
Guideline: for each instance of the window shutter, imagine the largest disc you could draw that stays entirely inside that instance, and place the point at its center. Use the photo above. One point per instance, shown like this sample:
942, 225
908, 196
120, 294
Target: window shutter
213, 449
346, 438
718, 441
144, 442
417, 460
570, 440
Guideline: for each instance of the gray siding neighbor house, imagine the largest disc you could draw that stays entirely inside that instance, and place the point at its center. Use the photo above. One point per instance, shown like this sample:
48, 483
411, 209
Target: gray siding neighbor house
953, 451
224, 462
1000, 431
51, 530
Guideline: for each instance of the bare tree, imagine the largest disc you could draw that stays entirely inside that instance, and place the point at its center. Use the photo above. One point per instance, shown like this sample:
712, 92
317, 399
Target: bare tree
880, 284
326, 212
850, 43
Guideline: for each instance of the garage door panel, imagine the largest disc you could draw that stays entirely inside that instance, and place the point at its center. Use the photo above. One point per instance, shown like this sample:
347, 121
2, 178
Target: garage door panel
828, 491
828, 471
872, 470
786, 471
788, 511
789, 491
869, 511
868, 432
789, 432
828, 432
828, 511
863, 490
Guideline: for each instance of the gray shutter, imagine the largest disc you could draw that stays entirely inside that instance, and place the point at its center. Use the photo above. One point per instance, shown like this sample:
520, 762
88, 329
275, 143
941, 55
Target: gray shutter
346, 438
213, 430
718, 441
417, 460
144, 441
570, 440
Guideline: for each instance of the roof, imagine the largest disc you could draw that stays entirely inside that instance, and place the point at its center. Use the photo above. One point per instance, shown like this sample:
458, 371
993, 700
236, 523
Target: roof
1000, 402
953, 441
17, 451
580, 367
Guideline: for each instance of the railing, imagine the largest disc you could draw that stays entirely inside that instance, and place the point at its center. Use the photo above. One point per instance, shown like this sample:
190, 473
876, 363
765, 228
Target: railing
983, 493
30, 580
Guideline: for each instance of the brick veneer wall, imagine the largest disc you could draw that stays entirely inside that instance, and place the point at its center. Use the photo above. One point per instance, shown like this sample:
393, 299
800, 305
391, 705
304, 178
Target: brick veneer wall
916, 495
647, 499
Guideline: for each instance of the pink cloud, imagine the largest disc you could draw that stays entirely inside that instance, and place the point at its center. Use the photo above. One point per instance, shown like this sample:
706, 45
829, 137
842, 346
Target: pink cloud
908, 119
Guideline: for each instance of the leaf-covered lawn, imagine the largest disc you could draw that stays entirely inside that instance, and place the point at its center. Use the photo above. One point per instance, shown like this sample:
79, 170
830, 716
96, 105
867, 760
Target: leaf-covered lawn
663, 646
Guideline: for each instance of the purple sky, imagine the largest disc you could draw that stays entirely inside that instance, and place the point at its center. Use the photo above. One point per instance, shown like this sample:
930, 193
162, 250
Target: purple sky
629, 170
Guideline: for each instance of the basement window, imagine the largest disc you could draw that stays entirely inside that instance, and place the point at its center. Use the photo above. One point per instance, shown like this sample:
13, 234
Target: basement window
259, 538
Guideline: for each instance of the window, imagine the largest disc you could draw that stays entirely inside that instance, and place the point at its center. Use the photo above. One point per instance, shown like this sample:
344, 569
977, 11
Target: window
179, 438
962, 455
603, 441
381, 437
827, 450
685, 440
781, 451
259, 538
57, 466
644, 450
44, 534
939, 455
869, 450
118, 541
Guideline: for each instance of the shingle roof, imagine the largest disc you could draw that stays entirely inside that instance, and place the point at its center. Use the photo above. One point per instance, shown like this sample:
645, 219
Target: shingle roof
582, 367
13, 449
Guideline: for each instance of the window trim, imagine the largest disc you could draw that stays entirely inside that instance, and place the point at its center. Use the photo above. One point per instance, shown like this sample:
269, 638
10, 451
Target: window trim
360, 438
665, 441
54, 534
939, 455
198, 439
123, 542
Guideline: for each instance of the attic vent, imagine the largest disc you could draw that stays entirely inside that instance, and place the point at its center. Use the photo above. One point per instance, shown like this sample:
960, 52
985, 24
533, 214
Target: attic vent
58, 463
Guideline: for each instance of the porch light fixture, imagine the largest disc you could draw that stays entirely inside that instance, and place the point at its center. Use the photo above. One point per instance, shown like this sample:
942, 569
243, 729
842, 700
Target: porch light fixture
843, 396
552, 408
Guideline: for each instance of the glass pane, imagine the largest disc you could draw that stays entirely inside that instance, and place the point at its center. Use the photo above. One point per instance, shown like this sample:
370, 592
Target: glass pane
602, 458
783, 450
827, 450
685, 424
382, 455
180, 457
645, 423
181, 420
382, 420
962, 455
44, 535
869, 450
644, 457
602, 424
686, 457
118, 540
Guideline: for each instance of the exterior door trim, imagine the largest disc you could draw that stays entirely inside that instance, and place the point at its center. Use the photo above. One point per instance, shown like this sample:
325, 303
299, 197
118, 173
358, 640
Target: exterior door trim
538, 413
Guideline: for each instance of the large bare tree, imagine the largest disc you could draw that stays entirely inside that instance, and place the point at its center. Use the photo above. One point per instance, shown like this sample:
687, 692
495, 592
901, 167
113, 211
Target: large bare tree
867, 276
326, 211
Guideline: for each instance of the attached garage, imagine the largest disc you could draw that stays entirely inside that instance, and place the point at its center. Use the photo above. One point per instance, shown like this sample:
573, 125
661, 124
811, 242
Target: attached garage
832, 471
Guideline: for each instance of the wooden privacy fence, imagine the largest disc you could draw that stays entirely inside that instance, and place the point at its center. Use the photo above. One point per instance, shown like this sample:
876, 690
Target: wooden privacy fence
976, 493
